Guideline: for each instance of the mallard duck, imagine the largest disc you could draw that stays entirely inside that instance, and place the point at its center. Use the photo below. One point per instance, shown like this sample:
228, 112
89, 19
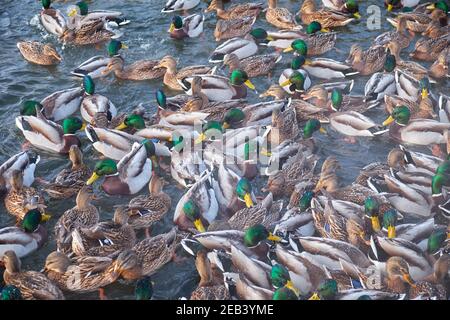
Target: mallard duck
62, 104
413, 131
137, 71
242, 47
324, 68
172, 76
367, 62
179, 5
145, 210
70, 180
197, 206
395, 4
284, 126
143, 289
327, 18
92, 32
444, 108
210, 287
83, 215
129, 176
27, 238
92, 273
218, 88
52, 19
439, 69
294, 78
39, 53
383, 83
254, 66
190, 26
238, 27
280, 17
419, 110
434, 286
315, 43
429, 49
352, 123
33, 285
79, 14
48, 135
20, 199
106, 238
95, 66
436, 28
411, 68
10, 292
415, 21
249, 9
26, 162
345, 6
402, 37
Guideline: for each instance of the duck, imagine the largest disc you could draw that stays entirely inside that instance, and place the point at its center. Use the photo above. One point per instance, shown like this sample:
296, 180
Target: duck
250, 9
106, 238
26, 162
80, 14
434, 286
367, 62
39, 53
437, 27
218, 88
33, 285
188, 27
93, 273
26, 238
95, 66
415, 21
411, 68
93, 32
198, 206
382, 83
64, 103
83, 215
429, 49
284, 125
129, 176
137, 71
291, 79
48, 135
412, 132
238, 27
327, 18
179, 5
344, 6
10, 292
172, 76
20, 199
143, 289
145, 210
52, 19
242, 47
395, 4
402, 37
419, 110
254, 66
279, 17
70, 180
439, 68
324, 68
315, 43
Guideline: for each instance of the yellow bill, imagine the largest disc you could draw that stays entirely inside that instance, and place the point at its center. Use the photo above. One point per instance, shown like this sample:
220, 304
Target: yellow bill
391, 232
274, 238
72, 12
286, 83
172, 27
45, 217
121, 126
424, 93
83, 126
248, 200
249, 84
269, 38
201, 138
390, 7
308, 62
92, 179
375, 223
288, 49
124, 46
290, 285
408, 279
324, 30
226, 125
357, 15
431, 7
315, 296
388, 121
199, 225
322, 130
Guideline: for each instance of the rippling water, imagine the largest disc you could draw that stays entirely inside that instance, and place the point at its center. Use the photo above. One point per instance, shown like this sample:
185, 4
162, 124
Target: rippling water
147, 38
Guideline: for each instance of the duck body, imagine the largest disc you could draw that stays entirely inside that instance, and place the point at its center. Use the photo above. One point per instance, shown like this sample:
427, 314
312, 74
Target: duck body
327, 18
192, 27
179, 5
241, 47
218, 88
324, 68
62, 104
53, 21
21, 242
94, 67
280, 17
95, 103
25, 162
239, 27
39, 53
420, 132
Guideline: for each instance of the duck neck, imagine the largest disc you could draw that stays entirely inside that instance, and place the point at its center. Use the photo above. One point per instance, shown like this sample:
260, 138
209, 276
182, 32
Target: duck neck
308, 7
397, 285
233, 63
69, 140
272, 4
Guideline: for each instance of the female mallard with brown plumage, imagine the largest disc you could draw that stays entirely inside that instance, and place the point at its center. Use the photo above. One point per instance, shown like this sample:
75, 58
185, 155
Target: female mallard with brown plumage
172, 76
39, 53
90, 33
369, 61
137, 71
254, 66
33, 285
280, 17
327, 18
402, 37
439, 69
249, 9
315, 42
83, 215
411, 68
238, 27
429, 49
20, 198
70, 180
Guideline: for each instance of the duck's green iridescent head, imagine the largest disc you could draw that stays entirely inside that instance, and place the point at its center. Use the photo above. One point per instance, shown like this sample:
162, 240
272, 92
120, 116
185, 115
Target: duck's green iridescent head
28, 108
390, 63
161, 98
400, 115
443, 168
150, 148
88, 85
260, 34
72, 125
299, 46
192, 212
407, 9
297, 62
424, 84
353, 8
295, 82
46, 3
10, 292
326, 291
243, 191
280, 277
103, 167
114, 46
239, 77
211, 129
442, 5
135, 121
284, 294
305, 201
31, 220
389, 222
177, 23
313, 27
372, 209
143, 289
436, 240
257, 233
364, 297
83, 7
311, 126
233, 117
438, 181
336, 99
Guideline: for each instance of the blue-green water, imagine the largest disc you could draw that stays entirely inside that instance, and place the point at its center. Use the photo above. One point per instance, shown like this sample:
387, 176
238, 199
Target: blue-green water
147, 38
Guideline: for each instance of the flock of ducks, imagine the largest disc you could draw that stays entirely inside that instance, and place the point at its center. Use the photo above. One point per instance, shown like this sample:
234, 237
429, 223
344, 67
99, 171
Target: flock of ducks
305, 235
